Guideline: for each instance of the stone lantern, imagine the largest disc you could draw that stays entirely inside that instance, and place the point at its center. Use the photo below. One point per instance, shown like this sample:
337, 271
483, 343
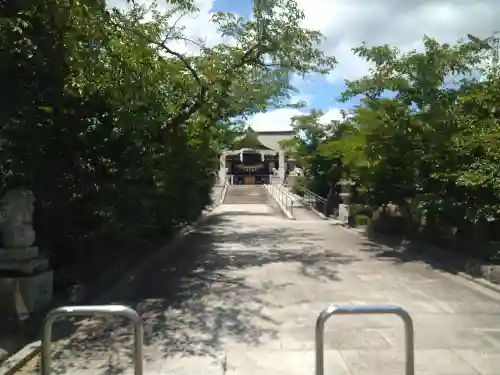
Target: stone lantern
25, 278
345, 194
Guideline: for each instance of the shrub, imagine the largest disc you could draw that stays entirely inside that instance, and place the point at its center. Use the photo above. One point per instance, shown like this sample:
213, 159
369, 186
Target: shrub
361, 220
298, 185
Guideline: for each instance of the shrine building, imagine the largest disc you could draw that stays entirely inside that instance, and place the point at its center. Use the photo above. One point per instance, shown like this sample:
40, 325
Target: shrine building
257, 158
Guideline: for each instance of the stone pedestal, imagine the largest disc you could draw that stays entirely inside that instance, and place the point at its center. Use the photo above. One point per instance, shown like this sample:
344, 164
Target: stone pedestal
22, 261
282, 166
345, 195
291, 180
20, 296
26, 283
343, 213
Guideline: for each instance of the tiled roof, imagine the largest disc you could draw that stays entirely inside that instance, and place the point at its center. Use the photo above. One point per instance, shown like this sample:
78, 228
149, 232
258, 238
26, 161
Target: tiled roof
263, 139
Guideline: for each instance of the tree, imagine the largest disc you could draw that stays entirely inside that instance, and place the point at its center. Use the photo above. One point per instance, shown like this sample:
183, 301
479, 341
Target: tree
115, 131
434, 142
425, 136
310, 133
312, 148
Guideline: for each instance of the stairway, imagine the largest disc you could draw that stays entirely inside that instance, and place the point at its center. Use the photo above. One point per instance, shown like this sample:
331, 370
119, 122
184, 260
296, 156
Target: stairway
246, 194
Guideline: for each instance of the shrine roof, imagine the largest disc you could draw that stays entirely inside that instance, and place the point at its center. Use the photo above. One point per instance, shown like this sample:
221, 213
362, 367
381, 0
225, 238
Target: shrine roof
262, 140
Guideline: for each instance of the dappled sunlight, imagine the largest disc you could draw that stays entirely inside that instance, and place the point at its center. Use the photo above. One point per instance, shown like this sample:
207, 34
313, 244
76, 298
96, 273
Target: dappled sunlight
221, 287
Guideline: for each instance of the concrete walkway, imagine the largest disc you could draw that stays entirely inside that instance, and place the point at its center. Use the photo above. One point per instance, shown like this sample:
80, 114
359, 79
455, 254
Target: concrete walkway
245, 297
302, 213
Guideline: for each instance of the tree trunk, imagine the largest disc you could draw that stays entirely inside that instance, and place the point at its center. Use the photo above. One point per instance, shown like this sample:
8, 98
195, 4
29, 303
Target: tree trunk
330, 201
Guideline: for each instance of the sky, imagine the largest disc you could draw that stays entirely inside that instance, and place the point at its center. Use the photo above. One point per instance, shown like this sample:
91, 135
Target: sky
346, 24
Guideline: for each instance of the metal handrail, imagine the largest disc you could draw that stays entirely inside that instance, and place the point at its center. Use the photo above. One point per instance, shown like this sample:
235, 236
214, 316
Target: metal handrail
105, 310
223, 192
312, 194
365, 310
313, 200
282, 196
285, 191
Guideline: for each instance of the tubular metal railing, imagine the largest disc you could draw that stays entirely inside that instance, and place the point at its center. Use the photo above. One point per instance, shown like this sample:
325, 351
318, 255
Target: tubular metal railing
365, 310
138, 353
106, 310
282, 196
312, 199
223, 192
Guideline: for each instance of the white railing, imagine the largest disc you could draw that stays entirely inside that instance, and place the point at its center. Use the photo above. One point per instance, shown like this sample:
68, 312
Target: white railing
284, 199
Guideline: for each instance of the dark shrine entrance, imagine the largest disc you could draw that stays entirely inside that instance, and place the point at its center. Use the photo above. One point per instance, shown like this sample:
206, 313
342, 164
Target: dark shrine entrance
250, 167
252, 162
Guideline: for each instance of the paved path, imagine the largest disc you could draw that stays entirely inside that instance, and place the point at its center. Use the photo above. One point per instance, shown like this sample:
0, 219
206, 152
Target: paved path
302, 213
217, 194
245, 299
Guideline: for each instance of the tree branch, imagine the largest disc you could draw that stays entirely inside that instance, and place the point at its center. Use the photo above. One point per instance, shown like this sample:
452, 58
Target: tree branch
190, 107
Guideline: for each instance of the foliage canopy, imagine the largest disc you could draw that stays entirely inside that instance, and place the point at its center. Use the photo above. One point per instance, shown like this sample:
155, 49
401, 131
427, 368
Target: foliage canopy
425, 135
115, 131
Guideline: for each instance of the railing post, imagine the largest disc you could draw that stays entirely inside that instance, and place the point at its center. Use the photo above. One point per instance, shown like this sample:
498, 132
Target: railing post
106, 310
365, 310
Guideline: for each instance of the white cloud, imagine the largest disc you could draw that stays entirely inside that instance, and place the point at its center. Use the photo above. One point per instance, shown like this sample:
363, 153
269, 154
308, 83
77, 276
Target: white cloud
280, 119
196, 26
347, 23
332, 114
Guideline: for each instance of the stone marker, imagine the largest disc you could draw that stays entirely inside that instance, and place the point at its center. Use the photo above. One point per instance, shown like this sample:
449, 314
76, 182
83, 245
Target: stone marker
343, 213
26, 283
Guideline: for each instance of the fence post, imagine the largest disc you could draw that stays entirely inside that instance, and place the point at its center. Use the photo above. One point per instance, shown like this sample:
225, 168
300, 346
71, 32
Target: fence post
365, 310
105, 310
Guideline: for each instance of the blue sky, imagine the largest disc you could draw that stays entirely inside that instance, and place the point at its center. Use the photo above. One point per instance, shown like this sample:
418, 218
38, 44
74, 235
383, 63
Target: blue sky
316, 90
320, 93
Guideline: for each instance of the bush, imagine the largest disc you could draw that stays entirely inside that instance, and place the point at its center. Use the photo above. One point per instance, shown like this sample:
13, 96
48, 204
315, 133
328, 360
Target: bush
359, 209
385, 223
359, 220
316, 185
491, 252
298, 186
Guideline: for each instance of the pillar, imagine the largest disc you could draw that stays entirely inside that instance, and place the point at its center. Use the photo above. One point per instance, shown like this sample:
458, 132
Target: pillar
222, 168
282, 166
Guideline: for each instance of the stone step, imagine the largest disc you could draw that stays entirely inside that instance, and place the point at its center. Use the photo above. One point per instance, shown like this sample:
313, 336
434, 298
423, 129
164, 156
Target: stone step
249, 194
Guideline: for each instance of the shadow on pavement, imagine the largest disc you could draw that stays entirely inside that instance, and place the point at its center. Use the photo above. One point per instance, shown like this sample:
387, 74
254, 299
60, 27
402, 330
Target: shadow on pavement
201, 294
400, 251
